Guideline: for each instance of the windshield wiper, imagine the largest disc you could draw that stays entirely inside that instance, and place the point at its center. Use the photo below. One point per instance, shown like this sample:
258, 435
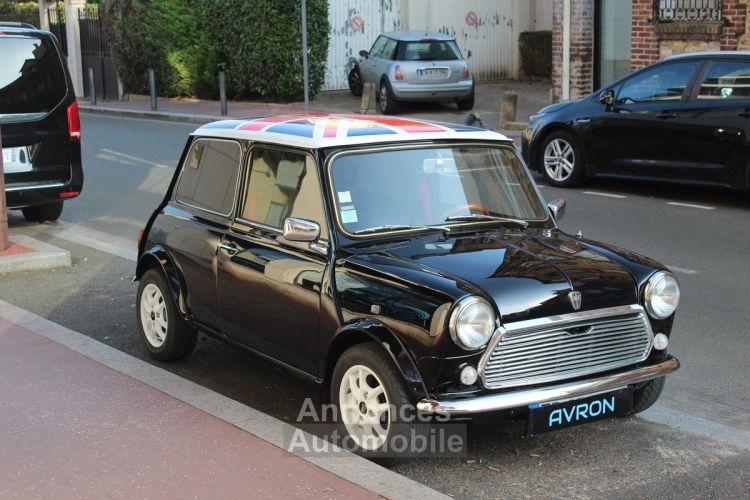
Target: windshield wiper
482, 218
394, 227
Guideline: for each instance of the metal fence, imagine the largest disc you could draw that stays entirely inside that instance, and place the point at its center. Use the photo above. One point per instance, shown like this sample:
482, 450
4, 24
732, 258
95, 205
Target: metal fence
56, 19
14, 14
95, 53
687, 10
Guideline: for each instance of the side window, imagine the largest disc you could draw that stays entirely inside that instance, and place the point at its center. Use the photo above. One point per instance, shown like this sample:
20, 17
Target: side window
389, 50
664, 83
283, 184
377, 47
726, 80
209, 176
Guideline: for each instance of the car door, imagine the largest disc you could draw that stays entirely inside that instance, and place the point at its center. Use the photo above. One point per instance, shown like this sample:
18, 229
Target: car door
638, 134
368, 66
197, 218
715, 121
269, 288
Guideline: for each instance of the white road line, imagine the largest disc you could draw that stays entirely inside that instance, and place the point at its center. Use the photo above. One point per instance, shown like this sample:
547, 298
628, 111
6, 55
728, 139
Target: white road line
98, 240
608, 195
690, 205
134, 158
682, 270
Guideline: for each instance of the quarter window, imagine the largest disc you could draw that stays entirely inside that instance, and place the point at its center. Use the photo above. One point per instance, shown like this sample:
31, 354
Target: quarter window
209, 175
283, 184
664, 83
726, 80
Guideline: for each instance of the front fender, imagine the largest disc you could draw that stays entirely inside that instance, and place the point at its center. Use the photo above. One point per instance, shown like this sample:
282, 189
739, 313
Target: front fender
369, 329
157, 257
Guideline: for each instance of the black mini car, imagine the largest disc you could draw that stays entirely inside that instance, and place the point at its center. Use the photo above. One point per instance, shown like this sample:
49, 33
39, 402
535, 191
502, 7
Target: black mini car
684, 119
41, 130
402, 264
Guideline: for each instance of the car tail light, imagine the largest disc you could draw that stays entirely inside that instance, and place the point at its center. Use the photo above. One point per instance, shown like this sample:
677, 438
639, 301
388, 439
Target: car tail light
399, 73
69, 194
74, 122
140, 234
466, 73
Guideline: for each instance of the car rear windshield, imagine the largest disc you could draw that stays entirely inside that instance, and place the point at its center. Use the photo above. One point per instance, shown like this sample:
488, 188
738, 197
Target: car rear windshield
431, 50
32, 79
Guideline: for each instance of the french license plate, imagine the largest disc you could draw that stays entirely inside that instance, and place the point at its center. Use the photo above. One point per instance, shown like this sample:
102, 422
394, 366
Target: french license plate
554, 416
9, 155
429, 73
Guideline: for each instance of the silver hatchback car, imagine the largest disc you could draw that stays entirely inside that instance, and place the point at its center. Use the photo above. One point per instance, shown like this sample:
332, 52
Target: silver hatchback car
414, 66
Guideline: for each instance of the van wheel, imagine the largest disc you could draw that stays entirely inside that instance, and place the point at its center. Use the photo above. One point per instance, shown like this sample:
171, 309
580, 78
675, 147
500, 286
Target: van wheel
371, 400
167, 335
43, 213
388, 103
562, 160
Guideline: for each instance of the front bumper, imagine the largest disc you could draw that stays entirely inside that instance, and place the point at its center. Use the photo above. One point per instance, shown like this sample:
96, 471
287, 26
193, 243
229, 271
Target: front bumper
561, 392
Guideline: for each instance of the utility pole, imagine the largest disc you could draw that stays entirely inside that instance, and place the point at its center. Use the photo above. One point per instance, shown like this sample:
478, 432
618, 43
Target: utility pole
4, 242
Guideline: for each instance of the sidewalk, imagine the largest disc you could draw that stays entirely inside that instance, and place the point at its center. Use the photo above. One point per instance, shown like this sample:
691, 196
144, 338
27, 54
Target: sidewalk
73, 427
531, 97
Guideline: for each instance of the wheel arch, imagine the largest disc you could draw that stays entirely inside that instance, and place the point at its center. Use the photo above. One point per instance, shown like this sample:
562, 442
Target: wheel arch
157, 257
549, 130
370, 330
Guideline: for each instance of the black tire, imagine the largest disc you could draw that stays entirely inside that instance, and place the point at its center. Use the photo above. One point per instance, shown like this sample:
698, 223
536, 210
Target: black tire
373, 357
43, 213
355, 82
466, 104
556, 171
646, 396
178, 336
387, 102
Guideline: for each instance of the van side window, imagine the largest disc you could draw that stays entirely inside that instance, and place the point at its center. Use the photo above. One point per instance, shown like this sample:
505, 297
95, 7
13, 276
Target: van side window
283, 184
209, 176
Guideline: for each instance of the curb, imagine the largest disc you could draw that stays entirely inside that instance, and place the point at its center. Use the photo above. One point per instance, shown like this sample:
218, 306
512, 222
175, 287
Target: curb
41, 256
151, 115
343, 464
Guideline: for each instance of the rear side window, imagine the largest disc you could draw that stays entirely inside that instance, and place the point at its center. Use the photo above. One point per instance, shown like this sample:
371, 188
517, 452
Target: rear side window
209, 177
431, 51
32, 79
726, 80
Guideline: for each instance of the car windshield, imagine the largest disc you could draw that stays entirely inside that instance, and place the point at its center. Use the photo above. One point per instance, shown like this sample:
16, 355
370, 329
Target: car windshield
432, 186
431, 50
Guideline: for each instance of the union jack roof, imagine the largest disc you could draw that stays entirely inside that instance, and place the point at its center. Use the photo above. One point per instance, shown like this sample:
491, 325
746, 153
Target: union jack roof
325, 130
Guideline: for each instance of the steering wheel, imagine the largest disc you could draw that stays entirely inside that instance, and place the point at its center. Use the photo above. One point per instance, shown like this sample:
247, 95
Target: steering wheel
472, 207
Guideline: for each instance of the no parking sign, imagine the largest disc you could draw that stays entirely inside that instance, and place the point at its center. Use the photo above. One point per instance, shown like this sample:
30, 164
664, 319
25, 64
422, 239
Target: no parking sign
356, 24
471, 18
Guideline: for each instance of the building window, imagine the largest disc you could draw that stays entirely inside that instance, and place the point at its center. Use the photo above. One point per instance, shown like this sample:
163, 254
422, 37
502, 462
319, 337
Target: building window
687, 10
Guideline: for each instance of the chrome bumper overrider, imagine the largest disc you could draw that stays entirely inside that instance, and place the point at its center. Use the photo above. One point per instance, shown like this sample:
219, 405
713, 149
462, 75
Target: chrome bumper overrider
560, 392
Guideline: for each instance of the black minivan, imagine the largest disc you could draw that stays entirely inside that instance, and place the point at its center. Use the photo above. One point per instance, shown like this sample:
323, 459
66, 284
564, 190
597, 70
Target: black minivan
41, 130
683, 119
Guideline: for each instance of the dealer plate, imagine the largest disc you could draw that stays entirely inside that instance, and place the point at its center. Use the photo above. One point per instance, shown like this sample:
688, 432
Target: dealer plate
554, 416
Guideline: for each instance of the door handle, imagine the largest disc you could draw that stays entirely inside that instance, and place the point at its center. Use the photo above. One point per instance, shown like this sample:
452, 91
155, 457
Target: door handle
666, 114
229, 248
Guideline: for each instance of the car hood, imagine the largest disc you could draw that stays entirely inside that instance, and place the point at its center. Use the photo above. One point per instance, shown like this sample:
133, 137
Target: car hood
527, 274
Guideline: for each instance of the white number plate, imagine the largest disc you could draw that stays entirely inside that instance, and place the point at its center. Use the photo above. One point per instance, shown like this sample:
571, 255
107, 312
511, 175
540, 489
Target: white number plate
16, 160
430, 73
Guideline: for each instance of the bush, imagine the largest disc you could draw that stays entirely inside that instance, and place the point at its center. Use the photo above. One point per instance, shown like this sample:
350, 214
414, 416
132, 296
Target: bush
22, 12
535, 49
260, 45
164, 35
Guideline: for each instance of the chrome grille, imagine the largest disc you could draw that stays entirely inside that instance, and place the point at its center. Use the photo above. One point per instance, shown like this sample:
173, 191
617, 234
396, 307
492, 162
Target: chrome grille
573, 345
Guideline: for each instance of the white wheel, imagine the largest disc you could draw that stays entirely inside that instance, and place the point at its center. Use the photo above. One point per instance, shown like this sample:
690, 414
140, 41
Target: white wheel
365, 408
154, 315
559, 160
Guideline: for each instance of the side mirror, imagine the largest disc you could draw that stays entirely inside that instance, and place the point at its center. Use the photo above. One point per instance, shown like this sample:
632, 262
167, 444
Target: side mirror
607, 98
468, 54
301, 230
364, 53
557, 208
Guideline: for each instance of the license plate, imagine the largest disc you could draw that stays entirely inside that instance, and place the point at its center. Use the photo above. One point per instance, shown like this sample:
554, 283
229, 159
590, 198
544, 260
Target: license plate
433, 73
16, 160
554, 416
9, 155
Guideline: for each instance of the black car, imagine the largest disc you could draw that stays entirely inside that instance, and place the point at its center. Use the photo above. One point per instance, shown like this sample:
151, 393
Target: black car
683, 119
41, 130
401, 264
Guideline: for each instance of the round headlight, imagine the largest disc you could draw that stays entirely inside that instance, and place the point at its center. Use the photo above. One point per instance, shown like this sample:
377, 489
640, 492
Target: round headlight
662, 295
472, 323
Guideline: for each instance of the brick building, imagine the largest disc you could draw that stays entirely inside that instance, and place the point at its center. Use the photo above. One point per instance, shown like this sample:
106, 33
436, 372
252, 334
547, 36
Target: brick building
597, 41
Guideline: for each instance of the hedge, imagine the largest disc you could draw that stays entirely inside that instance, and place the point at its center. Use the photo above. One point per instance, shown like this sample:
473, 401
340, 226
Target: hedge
23, 12
536, 53
258, 43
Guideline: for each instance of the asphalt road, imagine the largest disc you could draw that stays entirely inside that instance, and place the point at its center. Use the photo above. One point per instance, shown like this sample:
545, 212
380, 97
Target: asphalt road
694, 443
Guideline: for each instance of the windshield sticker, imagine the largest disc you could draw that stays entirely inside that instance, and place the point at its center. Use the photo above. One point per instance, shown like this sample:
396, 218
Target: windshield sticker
348, 216
345, 197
